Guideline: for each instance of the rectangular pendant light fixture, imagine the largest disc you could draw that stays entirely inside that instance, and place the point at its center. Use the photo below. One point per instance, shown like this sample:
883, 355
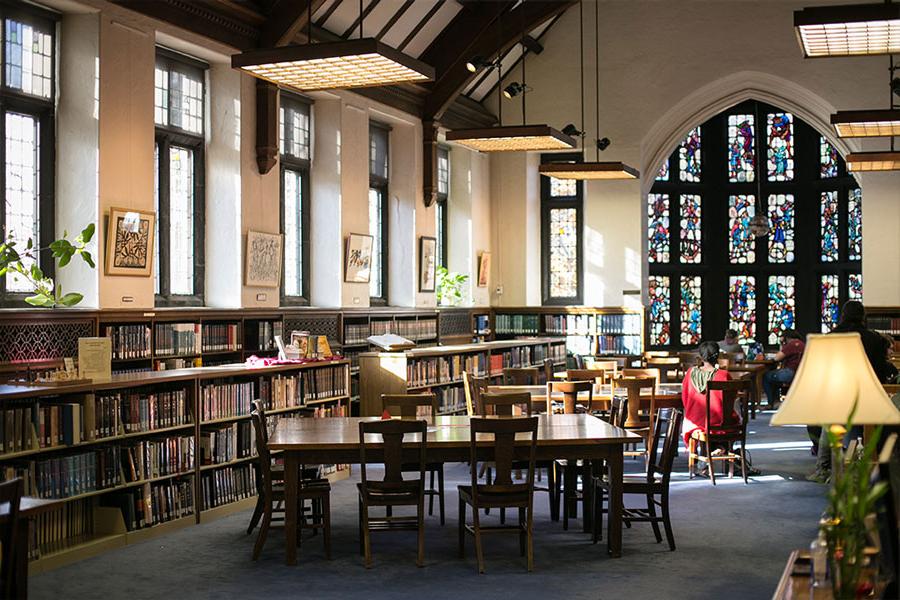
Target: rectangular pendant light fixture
333, 65
848, 30
873, 161
589, 170
867, 123
512, 138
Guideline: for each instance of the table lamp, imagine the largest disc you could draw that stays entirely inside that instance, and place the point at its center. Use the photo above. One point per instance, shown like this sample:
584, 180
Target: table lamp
833, 372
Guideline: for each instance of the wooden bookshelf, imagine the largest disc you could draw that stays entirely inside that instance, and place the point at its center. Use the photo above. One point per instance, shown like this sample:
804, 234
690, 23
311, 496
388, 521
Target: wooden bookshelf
137, 440
885, 319
439, 369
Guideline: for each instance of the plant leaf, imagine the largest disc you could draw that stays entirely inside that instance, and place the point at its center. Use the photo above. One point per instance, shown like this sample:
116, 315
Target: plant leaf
40, 300
36, 272
64, 259
71, 299
88, 258
30, 244
86, 234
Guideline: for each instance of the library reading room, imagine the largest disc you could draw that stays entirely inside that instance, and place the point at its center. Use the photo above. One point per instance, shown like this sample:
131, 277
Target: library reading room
311, 298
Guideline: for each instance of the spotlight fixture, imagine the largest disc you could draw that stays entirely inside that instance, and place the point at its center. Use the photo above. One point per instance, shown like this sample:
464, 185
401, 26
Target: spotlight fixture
532, 45
514, 89
873, 161
848, 30
572, 131
603, 144
867, 123
479, 62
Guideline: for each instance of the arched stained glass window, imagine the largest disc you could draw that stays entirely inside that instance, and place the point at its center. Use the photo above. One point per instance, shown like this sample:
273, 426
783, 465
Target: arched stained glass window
708, 269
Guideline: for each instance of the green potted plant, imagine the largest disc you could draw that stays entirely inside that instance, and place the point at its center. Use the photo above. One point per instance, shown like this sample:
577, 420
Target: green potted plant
449, 287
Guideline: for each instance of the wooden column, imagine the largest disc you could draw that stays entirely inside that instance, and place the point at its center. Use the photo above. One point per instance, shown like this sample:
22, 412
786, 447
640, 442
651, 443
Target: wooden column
429, 161
266, 126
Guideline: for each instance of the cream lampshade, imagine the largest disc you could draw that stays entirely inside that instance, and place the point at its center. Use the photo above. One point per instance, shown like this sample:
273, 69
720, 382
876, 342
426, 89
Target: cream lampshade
833, 372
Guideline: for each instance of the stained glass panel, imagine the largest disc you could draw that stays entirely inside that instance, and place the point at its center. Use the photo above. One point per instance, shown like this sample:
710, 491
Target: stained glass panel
563, 252
781, 228
29, 59
658, 228
828, 159
780, 127
742, 305
830, 302
741, 243
741, 155
691, 230
663, 174
563, 188
691, 303
856, 290
781, 306
854, 224
659, 291
689, 157
829, 227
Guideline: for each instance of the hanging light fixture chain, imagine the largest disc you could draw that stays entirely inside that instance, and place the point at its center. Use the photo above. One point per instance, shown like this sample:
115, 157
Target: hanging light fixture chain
597, 68
581, 57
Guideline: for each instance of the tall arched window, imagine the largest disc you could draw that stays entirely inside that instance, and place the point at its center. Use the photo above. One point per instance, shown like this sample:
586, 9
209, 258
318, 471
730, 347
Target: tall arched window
709, 272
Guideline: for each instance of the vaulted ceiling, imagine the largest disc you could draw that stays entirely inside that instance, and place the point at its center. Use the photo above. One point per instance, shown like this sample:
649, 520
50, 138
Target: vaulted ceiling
442, 33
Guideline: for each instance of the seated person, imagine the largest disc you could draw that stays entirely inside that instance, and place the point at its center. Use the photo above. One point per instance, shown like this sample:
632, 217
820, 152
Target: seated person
792, 346
730, 343
693, 392
890, 373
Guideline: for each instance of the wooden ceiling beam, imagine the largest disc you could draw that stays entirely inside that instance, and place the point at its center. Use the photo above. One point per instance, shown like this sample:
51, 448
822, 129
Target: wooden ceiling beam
394, 18
422, 23
288, 17
361, 18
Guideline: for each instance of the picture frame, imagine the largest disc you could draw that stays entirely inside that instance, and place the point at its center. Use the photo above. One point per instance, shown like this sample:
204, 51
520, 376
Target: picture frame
427, 263
484, 269
130, 235
262, 260
358, 258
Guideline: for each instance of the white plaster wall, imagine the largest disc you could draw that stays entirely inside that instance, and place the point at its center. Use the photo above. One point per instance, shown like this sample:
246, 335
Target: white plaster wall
77, 139
326, 269
468, 216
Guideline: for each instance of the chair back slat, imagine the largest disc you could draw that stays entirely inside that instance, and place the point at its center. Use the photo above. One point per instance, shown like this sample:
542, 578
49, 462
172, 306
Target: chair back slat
408, 404
598, 375
501, 403
731, 390
521, 375
264, 459
548, 370
473, 387
392, 432
504, 432
667, 426
618, 410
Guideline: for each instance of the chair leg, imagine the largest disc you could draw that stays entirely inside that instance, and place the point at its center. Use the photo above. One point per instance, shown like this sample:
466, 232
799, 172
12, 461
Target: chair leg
420, 555
503, 516
257, 514
362, 550
667, 523
522, 536
462, 527
441, 492
691, 448
479, 552
530, 538
596, 512
367, 542
488, 476
431, 496
744, 462
651, 510
554, 485
326, 524
709, 463
263, 532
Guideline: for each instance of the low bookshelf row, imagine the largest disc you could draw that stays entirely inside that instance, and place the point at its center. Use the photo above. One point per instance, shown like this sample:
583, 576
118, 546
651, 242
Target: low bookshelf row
440, 369
886, 320
147, 449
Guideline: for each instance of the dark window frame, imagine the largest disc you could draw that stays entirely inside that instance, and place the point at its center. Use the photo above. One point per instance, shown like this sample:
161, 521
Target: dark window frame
548, 203
382, 185
288, 162
443, 217
167, 136
715, 267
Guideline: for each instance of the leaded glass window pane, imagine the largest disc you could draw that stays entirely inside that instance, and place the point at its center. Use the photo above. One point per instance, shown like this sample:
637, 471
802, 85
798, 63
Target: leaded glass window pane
741, 242
28, 59
854, 224
742, 305
691, 229
830, 302
22, 188
160, 96
294, 130
663, 174
828, 227
376, 198
781, 228
658, 228
293, 229
780, 165
856, 287
378, 152
563, 188
660, 294
689, 166
828, 159
781, 306
443, 172
741, 151
563, 252
186, 100
691, 306
181, 220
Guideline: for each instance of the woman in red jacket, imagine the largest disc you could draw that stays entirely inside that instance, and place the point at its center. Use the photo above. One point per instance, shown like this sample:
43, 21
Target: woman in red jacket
693, 392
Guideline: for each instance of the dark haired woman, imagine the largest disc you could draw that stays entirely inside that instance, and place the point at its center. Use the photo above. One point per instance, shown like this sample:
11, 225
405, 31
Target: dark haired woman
693, 392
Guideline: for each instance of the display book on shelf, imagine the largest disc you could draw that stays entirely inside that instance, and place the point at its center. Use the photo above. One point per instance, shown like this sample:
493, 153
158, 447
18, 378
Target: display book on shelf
439, 369
144, 452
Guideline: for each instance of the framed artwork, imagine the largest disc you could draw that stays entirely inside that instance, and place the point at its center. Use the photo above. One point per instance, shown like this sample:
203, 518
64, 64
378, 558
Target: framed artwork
129, 242
263, 259
358, 258
484, 268
427, 260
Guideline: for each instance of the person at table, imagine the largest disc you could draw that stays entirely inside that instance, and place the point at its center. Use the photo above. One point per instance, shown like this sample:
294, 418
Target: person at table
730, 343
693, 392
789, 356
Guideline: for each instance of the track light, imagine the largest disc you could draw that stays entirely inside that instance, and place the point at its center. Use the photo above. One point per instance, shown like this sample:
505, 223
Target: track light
572, 131
514, 89
603, 144
479, 62
532, 45
895, 85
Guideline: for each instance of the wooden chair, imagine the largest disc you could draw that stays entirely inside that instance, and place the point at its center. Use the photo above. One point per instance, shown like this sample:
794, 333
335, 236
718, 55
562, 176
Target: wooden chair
549, 368
393, 490
11, 493
570, 470
667, 429
634, 386
502, 492
407, 407
666, 365
688, 360
521, 375
651, 354
579, 361
654, 373
604, 365
728, 433
596, 375
473, 387
618, 411
570, 390
318, 491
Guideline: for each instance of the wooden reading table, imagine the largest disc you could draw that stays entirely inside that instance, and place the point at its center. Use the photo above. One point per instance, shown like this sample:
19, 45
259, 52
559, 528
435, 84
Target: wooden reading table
336, 440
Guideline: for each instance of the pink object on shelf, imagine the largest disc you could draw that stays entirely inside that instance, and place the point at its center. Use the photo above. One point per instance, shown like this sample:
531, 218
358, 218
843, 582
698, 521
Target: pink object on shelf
268, 361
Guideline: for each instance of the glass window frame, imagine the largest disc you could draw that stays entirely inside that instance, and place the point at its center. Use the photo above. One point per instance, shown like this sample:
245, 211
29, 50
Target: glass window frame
548, 203
442, 216
289, 162
381, 183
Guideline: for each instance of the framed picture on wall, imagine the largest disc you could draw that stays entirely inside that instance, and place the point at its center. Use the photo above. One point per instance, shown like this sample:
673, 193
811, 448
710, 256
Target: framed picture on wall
484, 268
129, 242
427, 260
358, 258
262, 261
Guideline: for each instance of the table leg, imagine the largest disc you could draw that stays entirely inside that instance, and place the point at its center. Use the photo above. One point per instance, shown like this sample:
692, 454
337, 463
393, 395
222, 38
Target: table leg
291, 484
590, 469
614, 528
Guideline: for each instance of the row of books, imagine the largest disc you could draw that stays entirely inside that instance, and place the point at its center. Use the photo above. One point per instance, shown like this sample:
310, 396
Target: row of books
356, 333
324, 382
40, 425
280, 391
517, 324
322, 412
444, 369
382, 326
149, 459
169, 364
224, 444
593, 324
129, 341
558, 352
482, 324
261, 335
174, 339
221, 400
59, 528
889, 325
523, 356
223, 486
451, 400
219, 337
71, 475
143, 411
619, 344
416, 329
154, 503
